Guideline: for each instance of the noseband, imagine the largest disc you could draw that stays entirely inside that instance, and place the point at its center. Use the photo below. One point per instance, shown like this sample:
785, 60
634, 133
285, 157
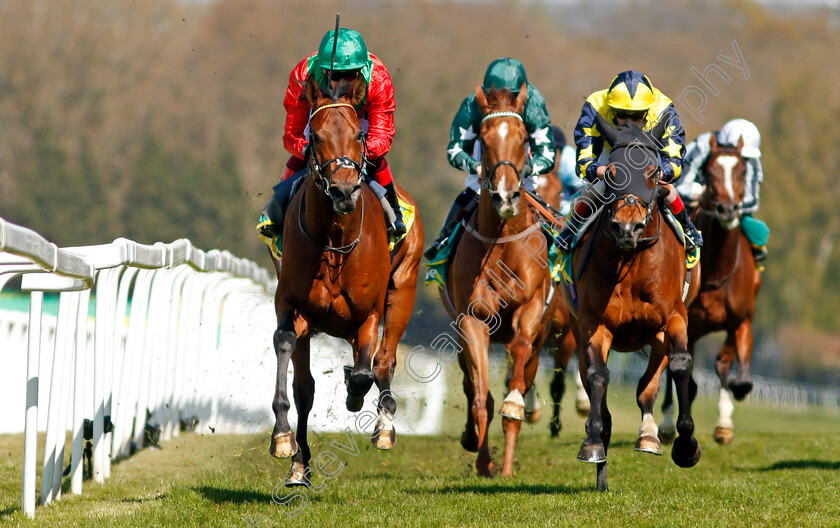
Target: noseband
316, 169
486, 182
632, 201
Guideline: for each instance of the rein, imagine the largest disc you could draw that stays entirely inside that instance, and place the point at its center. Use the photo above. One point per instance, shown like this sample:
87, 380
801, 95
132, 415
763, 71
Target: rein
632, 201
344, 250
504, 240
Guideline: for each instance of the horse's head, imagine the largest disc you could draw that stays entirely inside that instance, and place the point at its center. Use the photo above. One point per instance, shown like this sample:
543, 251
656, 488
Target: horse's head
504, 146
726, 181
336, 140
632, 181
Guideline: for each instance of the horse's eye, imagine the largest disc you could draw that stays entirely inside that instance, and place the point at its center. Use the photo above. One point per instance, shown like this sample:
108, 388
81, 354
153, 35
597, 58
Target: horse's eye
360, 136
313, 138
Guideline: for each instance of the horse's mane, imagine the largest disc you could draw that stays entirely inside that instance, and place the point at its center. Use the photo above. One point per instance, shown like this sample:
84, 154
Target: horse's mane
500, 99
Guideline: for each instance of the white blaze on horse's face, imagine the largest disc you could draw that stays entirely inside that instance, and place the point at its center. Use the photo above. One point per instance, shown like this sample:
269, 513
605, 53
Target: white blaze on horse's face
503, 130
728, 163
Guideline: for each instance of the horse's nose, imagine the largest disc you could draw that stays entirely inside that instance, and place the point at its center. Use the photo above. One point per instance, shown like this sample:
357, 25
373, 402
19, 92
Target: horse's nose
507, 206
727, 211
344, 197
627, 234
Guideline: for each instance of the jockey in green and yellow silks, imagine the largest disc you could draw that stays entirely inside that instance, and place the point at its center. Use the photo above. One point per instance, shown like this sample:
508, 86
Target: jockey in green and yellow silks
630, 100
463, 149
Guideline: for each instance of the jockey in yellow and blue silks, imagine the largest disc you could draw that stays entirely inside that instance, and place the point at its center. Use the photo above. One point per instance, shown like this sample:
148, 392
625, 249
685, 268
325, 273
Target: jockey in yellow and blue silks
462, 151
631, 100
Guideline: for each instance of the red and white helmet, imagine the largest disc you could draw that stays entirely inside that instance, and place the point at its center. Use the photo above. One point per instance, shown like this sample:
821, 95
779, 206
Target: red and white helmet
741, 128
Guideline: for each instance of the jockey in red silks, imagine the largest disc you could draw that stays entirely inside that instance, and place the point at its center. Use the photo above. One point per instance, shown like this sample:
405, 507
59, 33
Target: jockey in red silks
375, 111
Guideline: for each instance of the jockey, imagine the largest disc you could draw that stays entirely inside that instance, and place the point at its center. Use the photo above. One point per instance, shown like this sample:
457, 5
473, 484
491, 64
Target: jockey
630, 100
693, 183
463, 150
376, 115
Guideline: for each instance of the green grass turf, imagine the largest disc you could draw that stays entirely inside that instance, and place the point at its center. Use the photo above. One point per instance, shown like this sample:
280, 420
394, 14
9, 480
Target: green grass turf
782, 469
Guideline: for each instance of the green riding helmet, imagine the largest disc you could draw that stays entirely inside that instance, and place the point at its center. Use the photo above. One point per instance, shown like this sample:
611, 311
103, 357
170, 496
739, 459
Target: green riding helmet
505, 74
350, 53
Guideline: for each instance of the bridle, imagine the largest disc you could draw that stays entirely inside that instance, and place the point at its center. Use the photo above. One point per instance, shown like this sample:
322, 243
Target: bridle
316, 168
487, 181
631, 200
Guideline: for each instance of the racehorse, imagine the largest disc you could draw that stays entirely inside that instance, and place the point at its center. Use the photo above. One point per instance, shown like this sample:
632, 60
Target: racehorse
337, 275
499, 292
560, 336
730, 283
630, 295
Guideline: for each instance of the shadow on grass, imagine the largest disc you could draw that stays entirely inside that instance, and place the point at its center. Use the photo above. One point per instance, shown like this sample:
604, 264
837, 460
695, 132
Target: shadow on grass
498, 489
802, 464
232, 496
9, 511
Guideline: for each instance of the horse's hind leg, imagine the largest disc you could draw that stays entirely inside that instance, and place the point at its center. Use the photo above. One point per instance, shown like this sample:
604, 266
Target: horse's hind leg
283, 443
686, 450
469, 438
668, 427
475, 361
360, 379
743, 382
399, 302
646, 392
724, 428
304, 393
564, 350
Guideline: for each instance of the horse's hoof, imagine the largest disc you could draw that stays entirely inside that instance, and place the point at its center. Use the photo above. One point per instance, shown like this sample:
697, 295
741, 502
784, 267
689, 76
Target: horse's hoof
384, 439
533, 416
469, 442
724, 435
556, 427
486, 472
649, 444
686, 452
354, 403
592, 453
283, 445
582, 408
513, 406
666, 436
740, 389
298, 475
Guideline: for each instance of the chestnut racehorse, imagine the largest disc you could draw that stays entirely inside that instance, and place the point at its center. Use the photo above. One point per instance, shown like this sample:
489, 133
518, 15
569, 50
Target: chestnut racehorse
497, 288
337, 276
630, 295
730, 284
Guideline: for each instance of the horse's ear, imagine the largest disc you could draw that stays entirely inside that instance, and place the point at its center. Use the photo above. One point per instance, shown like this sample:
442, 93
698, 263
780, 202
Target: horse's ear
713, 141
480, 98
359, 90
740, 143
521, 99
609, 132
312, 91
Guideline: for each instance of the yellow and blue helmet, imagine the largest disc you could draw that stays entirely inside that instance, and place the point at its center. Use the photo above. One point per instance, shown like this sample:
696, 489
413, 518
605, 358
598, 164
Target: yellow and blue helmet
631, 90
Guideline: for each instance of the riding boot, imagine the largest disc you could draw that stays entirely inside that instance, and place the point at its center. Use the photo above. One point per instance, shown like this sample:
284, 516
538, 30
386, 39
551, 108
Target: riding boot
564, 239
275, 209
398, 228
463, 206
759, 253
693, 238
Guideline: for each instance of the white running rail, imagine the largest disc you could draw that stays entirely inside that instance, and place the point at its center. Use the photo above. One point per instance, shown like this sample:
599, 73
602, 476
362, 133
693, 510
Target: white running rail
157, 309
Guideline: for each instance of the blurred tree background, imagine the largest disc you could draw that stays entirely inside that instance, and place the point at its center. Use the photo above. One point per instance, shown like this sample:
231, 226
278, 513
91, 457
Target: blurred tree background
161, 119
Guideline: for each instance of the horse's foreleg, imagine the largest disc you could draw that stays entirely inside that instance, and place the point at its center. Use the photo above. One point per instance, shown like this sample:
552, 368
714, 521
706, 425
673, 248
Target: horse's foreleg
283, 443
595, 376
304, 393
469, 438
646, 392
360, 379
743, 382
564, 351
514, 404
686, 450
512, 426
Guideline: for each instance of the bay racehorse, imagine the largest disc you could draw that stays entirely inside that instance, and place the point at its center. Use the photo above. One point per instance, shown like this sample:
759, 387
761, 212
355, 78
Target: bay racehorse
730, 283
337, 275
630, 296
560, 337
498, 290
